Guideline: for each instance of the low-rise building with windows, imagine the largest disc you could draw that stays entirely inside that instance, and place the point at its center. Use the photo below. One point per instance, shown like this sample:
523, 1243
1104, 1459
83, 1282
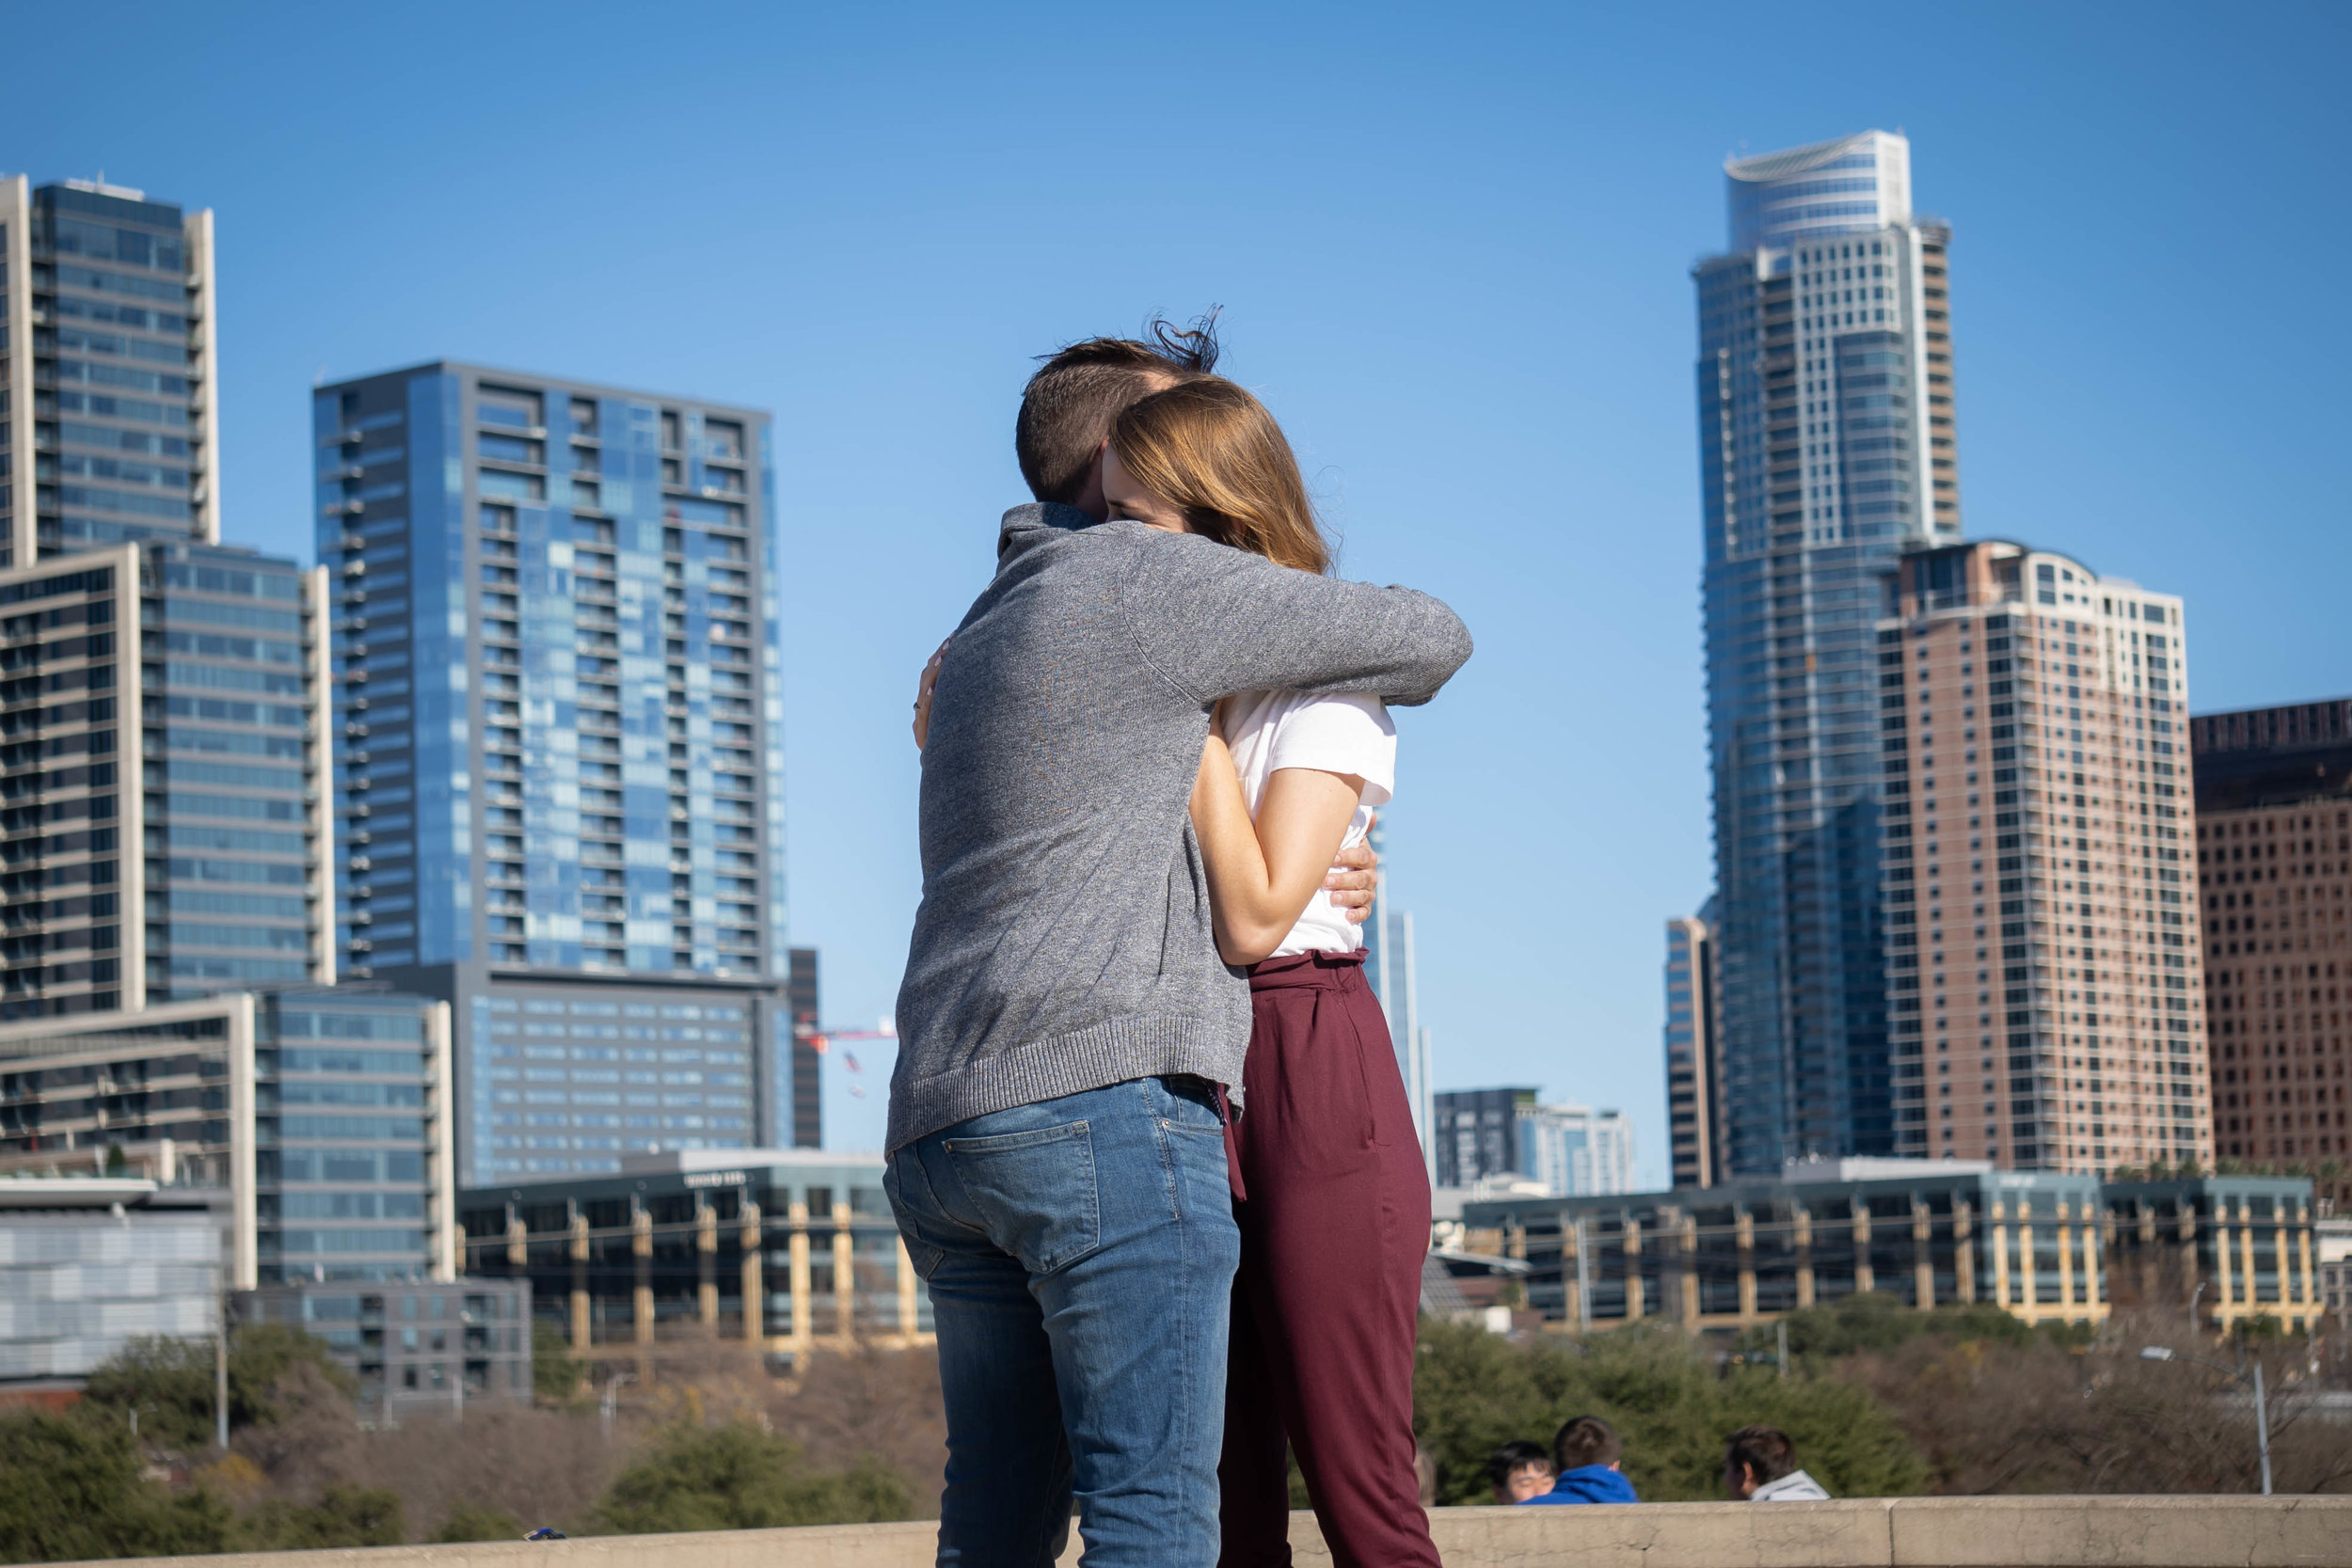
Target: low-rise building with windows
786, 1250
2048, 1246
1929, 1232
414, 1347
2241, 1248
89, 1262
320, 1117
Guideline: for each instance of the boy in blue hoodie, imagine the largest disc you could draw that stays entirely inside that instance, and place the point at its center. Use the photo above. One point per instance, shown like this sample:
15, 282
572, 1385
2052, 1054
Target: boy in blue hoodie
1585, 1452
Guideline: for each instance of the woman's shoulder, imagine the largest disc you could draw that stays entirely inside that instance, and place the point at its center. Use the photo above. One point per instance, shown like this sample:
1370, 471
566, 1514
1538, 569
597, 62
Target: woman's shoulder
1345, 733
1251, 712
1348, 711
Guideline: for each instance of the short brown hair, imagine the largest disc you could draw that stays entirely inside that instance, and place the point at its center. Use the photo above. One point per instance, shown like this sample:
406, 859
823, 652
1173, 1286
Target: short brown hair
1585, 1440
1068, 407
1213, 450
1763, 1450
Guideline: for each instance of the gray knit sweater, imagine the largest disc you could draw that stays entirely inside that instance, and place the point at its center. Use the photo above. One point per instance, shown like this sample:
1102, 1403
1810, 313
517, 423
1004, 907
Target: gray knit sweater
1063, 943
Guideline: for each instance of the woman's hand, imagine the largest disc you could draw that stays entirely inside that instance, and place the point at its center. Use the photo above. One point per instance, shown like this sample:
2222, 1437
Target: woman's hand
923, 696
1354, 879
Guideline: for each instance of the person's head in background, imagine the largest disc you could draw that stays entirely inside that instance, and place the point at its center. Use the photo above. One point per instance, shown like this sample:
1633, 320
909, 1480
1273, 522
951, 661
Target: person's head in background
1520, 1470
1069, 405
1756, 1457
1583, 1442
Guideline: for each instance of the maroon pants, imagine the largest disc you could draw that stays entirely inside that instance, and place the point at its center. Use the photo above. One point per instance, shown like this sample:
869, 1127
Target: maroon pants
1333, 1228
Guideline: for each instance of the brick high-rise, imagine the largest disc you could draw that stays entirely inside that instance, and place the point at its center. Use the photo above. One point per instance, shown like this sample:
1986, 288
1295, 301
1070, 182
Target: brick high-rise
2043, 967
1693, 1047
2274, 831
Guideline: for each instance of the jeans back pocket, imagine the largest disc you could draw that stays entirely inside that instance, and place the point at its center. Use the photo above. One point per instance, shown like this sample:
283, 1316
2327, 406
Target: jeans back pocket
925, 1256
1034, 1192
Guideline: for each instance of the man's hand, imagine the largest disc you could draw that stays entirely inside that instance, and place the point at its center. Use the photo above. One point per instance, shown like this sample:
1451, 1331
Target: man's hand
1350, 882
923, 696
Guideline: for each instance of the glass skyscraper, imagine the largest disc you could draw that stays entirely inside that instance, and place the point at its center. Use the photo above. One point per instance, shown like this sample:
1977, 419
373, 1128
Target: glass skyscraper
1827, 447
560, 787
107, 413
163, 829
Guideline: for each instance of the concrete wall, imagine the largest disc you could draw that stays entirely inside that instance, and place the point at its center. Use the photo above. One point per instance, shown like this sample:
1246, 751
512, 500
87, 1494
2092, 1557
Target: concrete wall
1911, 1533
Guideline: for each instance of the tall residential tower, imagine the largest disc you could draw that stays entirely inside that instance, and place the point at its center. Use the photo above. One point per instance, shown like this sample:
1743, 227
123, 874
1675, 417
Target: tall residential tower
164, 832
108, 422
1826, 448
560, 783
2044, 972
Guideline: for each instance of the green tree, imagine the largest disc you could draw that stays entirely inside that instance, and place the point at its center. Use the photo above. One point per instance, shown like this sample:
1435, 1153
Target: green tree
170, 1382
1474, 1392
1880, 1322
344, 1515
473, 1521
736, 1476
72, 1489
557, 1376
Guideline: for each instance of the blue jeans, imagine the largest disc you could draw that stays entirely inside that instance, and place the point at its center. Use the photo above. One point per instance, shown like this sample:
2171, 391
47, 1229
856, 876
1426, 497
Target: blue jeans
1080, 1256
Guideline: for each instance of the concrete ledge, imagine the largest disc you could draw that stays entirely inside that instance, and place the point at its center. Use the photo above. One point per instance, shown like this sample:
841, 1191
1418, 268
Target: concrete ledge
1903, 1532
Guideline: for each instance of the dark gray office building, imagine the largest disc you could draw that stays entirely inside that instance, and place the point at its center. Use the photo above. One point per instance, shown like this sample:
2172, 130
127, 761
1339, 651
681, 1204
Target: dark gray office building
416, 1348
1476, 1133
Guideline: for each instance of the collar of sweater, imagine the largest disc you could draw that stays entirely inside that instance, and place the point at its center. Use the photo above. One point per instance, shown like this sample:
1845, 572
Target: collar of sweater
1034, 523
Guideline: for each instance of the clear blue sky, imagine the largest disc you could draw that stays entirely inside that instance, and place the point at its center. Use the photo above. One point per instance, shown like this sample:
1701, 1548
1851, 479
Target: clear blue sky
1453, 246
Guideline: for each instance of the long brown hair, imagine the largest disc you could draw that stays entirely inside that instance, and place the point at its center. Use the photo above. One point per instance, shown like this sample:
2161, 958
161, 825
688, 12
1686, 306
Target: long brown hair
1210, 447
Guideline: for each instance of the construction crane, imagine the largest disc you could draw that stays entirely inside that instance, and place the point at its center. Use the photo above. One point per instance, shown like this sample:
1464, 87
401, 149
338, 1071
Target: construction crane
822, 1041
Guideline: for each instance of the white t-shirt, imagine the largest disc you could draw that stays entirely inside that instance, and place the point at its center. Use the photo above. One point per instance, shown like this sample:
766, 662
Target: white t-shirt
1273, 730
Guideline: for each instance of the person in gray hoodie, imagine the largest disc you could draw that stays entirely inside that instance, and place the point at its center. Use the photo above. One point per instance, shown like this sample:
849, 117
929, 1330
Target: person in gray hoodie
1067, 1029
1760, 1466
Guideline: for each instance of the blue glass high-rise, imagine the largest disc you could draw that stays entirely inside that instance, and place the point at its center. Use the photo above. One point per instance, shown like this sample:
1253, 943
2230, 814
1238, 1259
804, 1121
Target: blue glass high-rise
559, 788
109, 411
1827, 447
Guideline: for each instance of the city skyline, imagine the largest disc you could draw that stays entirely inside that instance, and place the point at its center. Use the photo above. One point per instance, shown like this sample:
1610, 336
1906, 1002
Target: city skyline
2125, 446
